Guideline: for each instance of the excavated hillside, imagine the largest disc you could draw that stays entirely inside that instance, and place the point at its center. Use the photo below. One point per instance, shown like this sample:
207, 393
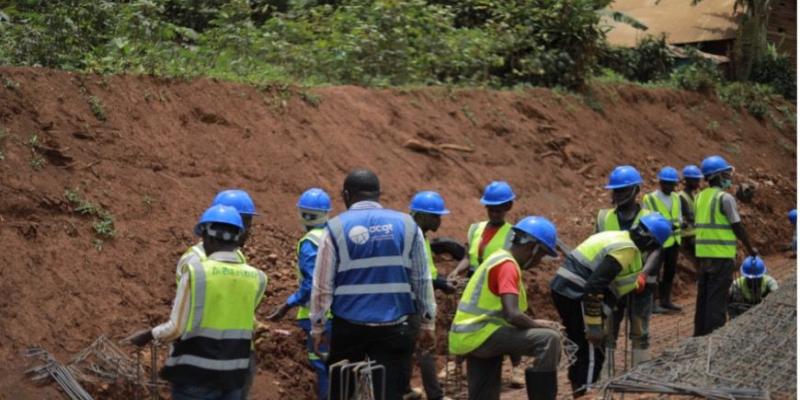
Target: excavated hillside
150, 154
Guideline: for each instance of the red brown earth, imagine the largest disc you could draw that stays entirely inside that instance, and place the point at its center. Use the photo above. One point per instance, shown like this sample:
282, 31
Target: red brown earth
167, 146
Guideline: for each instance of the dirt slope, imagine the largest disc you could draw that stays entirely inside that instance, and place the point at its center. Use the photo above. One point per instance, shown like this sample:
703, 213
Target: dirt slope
165, 148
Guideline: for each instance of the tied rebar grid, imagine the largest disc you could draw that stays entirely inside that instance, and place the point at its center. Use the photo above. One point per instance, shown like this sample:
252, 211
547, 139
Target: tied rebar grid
752, 357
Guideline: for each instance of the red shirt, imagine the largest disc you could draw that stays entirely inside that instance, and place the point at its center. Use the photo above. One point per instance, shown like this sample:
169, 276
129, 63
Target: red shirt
486, 237
504, 279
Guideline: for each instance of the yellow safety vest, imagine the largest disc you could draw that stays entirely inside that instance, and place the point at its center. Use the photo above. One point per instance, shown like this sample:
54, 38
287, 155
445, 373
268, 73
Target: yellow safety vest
714, 236
431, 265
741, 283
480, 311
689, 231
592, 251
315, 237
607, 219
199, 253
499, 241
653, 203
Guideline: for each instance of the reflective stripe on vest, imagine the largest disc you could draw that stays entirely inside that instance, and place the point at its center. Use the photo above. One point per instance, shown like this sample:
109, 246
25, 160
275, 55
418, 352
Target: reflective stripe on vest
198, 252
654, 203
480, 312
590, 255
689, 230
714, 236
747, 293
373, 248
607, 219
315, 237
431, 265
500, 240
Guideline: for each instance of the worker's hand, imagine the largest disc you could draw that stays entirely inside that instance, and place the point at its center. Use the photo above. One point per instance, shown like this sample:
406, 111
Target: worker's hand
595, 335
319, 339
452, 278
426, 340
139, 338
547, 324
278, 314
641, 283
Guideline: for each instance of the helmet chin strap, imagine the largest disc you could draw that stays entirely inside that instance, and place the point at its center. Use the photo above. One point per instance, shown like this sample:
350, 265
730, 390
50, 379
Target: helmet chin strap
535, 250
631, 195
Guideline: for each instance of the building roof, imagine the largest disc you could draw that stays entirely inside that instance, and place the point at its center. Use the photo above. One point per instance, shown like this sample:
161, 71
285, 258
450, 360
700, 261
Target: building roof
683, 23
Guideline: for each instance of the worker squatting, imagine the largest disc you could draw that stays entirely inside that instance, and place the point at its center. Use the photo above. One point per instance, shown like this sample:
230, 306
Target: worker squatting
367, 277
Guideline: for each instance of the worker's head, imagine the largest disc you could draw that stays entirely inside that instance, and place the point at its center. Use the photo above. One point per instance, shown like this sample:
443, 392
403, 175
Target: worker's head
793, 216
313, 207
691, 177
624, 182
668, 179
717, 172
753, 270
534, 238
427, 209
221, 228
498, 197
651, 232
360, 185
241, 201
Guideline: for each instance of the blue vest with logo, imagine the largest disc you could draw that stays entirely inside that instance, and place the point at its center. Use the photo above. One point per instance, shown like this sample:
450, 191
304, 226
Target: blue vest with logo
373, 248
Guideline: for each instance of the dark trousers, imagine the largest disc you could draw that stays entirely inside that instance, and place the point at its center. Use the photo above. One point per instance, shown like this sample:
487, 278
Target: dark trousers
669, 264
714, 279
572, 319
390, 346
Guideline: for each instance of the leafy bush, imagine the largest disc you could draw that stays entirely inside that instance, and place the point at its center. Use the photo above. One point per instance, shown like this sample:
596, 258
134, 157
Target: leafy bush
649, 61
776, 70
699, 76
755, 98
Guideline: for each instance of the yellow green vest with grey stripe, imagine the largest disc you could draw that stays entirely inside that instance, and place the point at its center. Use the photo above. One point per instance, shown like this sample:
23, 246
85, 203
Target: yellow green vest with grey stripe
500, 240
607, 220
689, 231
747, 293
198, 252
714, 236
431, 265
315, 237
590, 255
480, 312
653, 203
216, 342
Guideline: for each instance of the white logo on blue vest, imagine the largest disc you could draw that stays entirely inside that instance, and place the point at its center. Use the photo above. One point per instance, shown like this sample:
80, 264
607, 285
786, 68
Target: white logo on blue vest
358, 234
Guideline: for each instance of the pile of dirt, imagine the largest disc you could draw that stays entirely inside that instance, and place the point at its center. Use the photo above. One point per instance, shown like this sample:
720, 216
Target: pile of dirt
80, 150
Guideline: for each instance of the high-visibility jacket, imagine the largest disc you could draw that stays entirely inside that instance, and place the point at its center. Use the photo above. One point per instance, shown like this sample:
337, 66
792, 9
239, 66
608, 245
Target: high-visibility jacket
747, 292
373, 248
197, 252
431, 265
480, 311
652, 202
607, 219
500, 240
688, 217
590, 254
315, 237
214, 349
714, 236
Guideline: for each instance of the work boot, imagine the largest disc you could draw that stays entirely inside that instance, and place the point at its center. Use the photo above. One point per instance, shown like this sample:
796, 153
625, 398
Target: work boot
517, 377
659, 309
541, 385
414, 394
639, 356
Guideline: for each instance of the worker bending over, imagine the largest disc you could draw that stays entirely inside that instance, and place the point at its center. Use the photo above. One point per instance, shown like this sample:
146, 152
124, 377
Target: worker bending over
751, 287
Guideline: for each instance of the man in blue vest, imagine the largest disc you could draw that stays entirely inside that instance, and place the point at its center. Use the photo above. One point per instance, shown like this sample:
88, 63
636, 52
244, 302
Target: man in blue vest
313, 207
371, 273
213, 315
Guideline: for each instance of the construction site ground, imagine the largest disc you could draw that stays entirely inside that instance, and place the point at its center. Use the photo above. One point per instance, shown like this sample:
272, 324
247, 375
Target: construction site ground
150, 153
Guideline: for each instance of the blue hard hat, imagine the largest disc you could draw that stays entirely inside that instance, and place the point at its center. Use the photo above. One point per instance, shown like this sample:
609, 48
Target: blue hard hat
314, 199
236, 198
692, 171
668, 174
714, 164
658, 226
428, 202
793, 216
496, 193
219, 214
753, 267
541, 229
623, 176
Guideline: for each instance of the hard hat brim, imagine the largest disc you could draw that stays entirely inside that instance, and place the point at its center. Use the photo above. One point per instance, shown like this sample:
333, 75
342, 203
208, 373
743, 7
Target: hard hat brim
418, 210
496, 203
622, 185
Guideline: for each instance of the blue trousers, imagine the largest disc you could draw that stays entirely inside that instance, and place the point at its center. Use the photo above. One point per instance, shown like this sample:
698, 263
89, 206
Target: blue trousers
186, 392
319, 365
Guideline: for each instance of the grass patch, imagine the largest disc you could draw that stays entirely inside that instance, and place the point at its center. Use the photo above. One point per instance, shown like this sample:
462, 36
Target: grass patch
103, 225
97, 108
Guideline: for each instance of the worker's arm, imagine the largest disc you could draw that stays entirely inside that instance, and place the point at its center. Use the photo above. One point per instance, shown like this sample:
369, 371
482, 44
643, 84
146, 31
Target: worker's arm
652, 262
322, 284
741, 234
728, 206
306, 258
517, 318
421, 283
599, 280
462, 266
178, 318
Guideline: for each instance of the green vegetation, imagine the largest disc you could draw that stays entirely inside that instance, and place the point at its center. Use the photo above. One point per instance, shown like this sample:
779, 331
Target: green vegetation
97, 108
103, 225
37, 161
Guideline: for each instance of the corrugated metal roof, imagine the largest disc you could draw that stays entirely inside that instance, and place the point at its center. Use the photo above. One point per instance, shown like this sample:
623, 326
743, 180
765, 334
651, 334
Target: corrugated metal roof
682, 22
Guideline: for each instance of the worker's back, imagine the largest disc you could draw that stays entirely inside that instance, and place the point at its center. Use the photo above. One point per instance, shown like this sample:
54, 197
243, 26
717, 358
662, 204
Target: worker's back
373, 249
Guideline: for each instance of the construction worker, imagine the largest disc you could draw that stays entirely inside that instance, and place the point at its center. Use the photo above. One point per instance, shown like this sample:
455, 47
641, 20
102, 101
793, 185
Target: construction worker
427, 209
717, 226
691, 182
213, 315
372, 274
667, 203
751, 287
604, 268
491, 322
624, 183
313, 208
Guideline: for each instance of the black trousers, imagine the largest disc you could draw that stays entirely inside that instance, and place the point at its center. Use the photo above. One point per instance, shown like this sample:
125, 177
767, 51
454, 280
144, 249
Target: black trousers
714, 279
390, 346
572, 319
669, 265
